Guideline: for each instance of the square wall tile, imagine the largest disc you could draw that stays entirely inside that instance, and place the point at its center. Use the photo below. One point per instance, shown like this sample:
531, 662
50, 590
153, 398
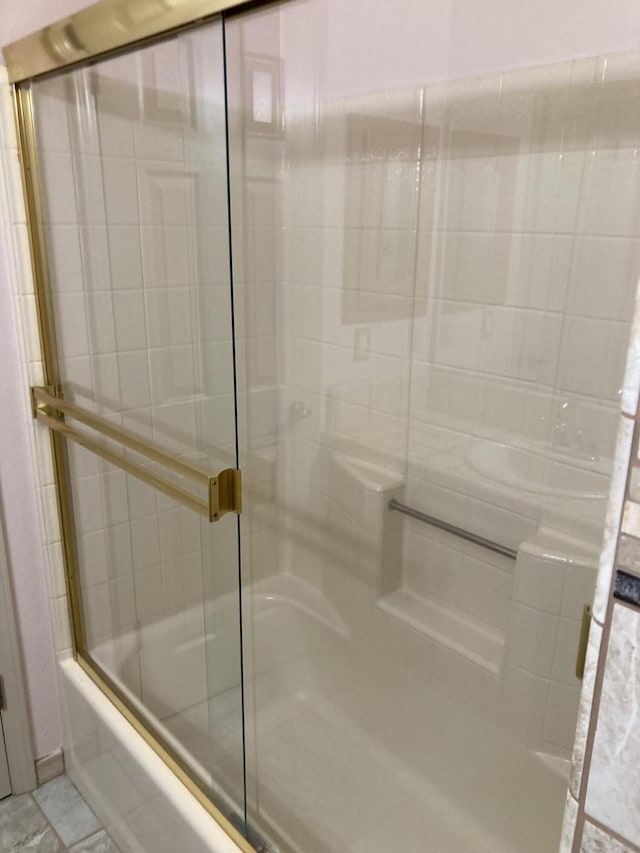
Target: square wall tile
532, 639
90, 190
525, 702
58, 188
129, 317
96, 267
611, 193
605, 272
125, 258
539, 583
64, 256
120, 190
133, 372
71, 320
561, 714
101, 322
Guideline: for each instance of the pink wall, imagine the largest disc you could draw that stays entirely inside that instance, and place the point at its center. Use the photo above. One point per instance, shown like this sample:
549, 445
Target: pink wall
20, 518
18, 497
20, 19
410, 42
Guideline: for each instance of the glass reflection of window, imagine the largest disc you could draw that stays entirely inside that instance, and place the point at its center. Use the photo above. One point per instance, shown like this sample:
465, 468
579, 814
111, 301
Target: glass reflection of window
262, 88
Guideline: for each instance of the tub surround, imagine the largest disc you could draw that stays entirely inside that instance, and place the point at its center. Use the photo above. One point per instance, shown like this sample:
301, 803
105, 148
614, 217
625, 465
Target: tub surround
492, 347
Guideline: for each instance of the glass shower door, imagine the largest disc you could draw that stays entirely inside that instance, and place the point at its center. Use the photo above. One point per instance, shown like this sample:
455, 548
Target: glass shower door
141, 394
429, 229
417, 265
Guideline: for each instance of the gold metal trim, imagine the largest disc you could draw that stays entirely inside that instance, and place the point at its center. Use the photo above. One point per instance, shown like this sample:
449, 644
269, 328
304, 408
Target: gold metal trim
104, 27
23, 106
583, 643
223, 489
181, 771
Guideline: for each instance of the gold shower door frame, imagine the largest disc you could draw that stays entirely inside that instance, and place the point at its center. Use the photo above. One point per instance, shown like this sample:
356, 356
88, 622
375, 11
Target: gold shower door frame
103, 30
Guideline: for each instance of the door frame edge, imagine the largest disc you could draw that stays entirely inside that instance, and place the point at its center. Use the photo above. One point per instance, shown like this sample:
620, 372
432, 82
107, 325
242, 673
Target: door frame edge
15, 719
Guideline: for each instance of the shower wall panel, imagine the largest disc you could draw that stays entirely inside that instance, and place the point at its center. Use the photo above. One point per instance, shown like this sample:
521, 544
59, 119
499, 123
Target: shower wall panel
445, 270
523, 263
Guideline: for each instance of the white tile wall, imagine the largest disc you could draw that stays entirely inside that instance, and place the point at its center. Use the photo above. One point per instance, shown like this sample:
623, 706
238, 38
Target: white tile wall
511, 271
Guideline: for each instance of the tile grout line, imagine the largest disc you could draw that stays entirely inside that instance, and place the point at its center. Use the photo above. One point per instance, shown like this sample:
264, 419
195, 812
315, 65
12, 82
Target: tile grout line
65, 849
86, 837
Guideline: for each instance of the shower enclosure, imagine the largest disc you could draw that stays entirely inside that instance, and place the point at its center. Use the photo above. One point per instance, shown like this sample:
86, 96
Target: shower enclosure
385, 270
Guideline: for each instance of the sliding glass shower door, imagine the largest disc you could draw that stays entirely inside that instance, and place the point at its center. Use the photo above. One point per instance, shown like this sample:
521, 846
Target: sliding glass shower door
357, 257
427, 209
141, 395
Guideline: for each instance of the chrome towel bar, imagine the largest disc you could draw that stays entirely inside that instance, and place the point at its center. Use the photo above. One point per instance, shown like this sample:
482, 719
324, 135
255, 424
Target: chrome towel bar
452, 528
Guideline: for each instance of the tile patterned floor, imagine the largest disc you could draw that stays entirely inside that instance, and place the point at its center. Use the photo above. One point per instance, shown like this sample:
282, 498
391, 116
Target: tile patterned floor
53, 819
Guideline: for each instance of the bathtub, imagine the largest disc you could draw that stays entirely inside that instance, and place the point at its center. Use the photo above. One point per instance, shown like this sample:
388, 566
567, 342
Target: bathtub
140, 801
322, 705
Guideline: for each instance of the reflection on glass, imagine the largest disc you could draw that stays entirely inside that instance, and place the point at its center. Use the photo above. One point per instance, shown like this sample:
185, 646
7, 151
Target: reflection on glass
423, 242
438, 264
134, 171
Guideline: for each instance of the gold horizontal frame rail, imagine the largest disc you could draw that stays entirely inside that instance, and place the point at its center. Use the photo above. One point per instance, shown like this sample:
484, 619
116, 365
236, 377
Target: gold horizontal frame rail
223, 489
104, 27
180, 769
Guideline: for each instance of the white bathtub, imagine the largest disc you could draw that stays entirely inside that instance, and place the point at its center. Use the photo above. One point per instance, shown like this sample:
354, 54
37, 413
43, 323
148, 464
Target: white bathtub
142, 804
327, 762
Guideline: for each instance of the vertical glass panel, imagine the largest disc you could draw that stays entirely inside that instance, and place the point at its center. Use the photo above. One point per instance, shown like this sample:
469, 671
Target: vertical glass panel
133, 162
435, 218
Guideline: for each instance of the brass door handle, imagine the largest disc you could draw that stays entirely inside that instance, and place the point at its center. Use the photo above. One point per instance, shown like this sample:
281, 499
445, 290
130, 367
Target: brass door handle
224, 489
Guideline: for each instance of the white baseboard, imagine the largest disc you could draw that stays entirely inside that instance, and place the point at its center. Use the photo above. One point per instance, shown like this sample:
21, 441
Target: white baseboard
50, 766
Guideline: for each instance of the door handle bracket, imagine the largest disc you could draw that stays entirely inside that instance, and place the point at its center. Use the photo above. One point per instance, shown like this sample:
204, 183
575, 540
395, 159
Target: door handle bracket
225, 493
40, 407
223, 490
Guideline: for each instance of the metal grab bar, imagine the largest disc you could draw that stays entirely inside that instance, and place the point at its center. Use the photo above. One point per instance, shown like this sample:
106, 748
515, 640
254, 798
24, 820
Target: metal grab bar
452, 528
223, 489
